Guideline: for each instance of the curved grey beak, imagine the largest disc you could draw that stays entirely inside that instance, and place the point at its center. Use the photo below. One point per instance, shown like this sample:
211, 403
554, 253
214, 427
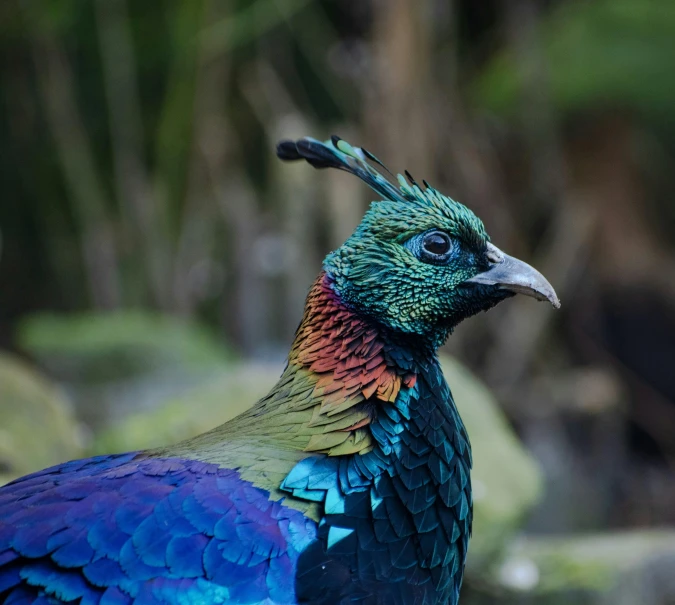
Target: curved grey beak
512, 274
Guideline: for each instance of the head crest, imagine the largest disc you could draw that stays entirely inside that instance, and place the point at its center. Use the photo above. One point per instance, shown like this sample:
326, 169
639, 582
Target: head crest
337, 153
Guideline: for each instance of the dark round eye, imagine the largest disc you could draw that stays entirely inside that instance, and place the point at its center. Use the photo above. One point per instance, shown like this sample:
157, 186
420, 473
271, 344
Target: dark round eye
437, 243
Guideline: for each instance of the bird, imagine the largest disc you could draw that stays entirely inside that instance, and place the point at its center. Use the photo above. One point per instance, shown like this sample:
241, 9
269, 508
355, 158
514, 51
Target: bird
349, 483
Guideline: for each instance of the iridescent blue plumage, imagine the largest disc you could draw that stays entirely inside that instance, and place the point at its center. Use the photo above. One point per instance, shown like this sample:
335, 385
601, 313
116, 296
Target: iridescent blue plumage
128, 528
398, 518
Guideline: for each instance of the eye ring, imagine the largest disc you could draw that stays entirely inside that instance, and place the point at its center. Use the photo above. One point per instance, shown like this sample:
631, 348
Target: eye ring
436, 246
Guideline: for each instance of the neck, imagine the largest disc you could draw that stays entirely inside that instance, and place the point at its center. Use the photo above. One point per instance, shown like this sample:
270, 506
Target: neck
338, 344
341, 369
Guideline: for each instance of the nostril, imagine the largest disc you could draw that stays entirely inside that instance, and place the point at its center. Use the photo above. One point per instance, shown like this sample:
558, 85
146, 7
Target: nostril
494, 254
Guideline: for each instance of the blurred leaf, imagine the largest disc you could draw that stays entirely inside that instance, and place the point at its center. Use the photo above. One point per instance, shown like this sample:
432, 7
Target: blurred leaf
608, 52
174, 131
45, 16
248, 24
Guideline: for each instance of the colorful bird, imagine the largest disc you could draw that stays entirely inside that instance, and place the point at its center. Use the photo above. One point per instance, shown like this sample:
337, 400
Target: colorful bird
348, 483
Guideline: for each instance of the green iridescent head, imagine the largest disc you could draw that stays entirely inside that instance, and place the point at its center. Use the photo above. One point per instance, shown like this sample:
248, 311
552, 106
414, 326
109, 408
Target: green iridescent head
419, 262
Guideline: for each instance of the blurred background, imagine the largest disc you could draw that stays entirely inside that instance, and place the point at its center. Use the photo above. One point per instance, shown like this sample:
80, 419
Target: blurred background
155, 256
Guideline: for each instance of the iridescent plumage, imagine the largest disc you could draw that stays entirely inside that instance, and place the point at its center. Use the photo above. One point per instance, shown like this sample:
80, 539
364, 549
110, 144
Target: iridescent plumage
348, 483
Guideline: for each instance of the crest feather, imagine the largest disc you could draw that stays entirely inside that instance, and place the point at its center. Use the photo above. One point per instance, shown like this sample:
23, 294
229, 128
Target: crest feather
337, 153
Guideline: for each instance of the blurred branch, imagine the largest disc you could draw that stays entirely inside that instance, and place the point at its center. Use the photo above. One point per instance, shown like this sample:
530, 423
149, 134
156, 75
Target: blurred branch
173, 140
248, 24
315, 34
537, 119
396, 110
293, 186
99, 252
244, 313
219, 172
572, 224
134, 189
196, 225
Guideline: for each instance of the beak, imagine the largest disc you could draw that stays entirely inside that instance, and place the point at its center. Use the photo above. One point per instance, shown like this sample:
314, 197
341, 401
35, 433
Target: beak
511, 274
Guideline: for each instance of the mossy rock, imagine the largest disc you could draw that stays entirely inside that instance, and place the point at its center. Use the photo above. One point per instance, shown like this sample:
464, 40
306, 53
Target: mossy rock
506, 480
100, 347
37, 426
235, 389
610, 568
112, 364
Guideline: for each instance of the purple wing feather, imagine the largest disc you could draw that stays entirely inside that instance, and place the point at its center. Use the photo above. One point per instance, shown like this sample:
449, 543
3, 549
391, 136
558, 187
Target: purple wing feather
129, 528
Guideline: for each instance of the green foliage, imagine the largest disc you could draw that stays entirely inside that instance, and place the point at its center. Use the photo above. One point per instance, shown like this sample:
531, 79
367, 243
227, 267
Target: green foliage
174, 132
617, 53
106, 345
46, 17
249, 23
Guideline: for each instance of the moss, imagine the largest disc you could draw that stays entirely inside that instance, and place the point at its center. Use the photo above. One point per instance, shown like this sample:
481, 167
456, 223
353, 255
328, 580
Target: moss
105, 346
37, 427
598, 569
236, 388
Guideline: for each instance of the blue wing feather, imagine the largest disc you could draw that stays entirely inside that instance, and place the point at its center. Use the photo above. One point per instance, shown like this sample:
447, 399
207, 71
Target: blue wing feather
114, 530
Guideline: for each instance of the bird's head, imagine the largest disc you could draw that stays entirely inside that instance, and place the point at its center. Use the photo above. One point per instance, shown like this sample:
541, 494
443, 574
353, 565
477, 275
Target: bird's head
419, 262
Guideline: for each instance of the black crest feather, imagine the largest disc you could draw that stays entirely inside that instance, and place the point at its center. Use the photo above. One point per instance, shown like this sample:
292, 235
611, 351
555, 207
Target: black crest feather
337, 153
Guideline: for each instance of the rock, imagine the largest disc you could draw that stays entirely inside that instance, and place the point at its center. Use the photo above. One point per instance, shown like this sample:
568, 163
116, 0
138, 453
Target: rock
38, 427
621, 568
236, 387
115, 363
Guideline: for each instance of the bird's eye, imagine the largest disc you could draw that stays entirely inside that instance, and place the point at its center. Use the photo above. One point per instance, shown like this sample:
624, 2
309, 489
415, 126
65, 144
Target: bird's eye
436, 245
433, 246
